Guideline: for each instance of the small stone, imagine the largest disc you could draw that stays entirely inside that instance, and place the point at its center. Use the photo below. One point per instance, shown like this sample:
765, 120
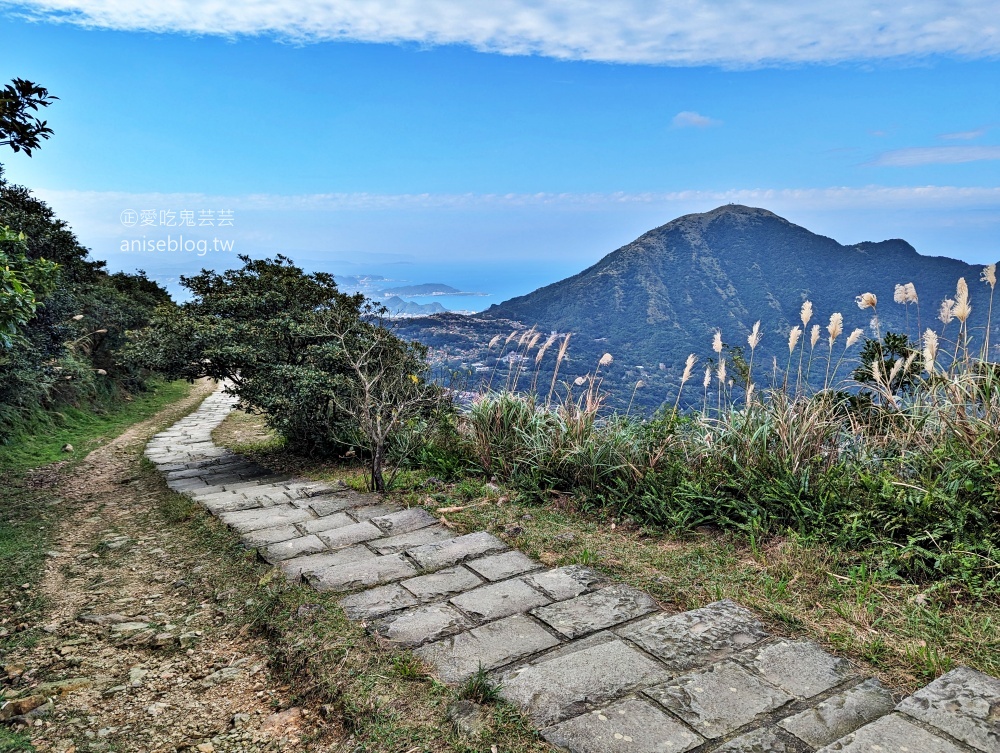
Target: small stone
205, 748
468, 717
67, 447
155, 709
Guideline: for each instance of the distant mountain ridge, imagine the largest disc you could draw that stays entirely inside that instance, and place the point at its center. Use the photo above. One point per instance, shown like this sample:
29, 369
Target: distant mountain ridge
661, 297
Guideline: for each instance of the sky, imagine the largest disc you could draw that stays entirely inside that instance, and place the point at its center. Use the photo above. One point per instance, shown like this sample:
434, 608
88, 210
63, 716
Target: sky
497, 147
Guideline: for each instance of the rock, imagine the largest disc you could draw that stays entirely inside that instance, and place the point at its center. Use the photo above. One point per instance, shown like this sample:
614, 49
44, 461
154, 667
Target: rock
67, 447
188, 639
21, 706
103, 619
468, 717
155, 709
283, 723
62, 687
129, 627
136, 675
205, 748
240, 721
164, 639
226, 674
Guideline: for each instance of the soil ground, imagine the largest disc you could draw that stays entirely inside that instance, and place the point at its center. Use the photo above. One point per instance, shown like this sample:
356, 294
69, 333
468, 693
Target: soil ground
144, 646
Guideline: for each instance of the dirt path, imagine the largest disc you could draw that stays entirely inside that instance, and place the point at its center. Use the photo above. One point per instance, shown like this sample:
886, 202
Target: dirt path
139, 637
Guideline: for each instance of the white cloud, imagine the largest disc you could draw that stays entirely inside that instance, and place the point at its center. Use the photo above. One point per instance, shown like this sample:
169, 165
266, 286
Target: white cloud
689, 119
936, 155
964, 135
111, 203
734, 33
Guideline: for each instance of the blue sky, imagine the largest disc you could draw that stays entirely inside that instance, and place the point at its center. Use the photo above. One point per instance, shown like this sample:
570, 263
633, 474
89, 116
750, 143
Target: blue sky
501, 149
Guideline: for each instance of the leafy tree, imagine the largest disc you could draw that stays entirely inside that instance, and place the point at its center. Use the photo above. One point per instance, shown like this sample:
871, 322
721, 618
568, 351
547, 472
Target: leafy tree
22, 283
319, 364
891, 364
19, 128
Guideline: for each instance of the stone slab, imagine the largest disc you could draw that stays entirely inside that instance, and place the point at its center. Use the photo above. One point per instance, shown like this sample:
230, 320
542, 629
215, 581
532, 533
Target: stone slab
376, 602
719, 699
503, 566
296, 567
633, 725
329, 505
964, 703
764, 740
363, 574
551, 690
499, 600
404, 521
840, 714
232, 504
801, 668
422, 624
563, 583
891, 734
404, 541
367, 512
490, 646
265, 536
602, 609
300, 547
454, 550
327, 522
268, 517
336, 538
442, 584
696, 638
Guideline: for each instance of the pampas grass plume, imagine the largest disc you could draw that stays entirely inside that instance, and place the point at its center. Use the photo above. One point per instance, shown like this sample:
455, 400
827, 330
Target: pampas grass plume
947, 311
835, 327
494, 341
962, 307
720, 372
930, 349
754, 337
717, 341
708, 377
606, 360
793, 338
899, 294
990, 275
911, 293
688, 368
854, 336
814, 336
806, 313
866, 301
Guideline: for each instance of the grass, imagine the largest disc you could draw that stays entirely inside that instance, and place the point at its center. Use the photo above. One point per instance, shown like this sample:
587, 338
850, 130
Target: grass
84, 430
29, 512
384, 696
904, 633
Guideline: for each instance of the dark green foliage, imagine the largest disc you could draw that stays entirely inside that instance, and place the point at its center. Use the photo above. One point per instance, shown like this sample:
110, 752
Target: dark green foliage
23, 283
884, 355
319, 364
66, 352
920, 503
20, 129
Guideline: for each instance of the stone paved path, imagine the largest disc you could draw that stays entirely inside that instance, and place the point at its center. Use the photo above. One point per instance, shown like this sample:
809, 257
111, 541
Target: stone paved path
596, 665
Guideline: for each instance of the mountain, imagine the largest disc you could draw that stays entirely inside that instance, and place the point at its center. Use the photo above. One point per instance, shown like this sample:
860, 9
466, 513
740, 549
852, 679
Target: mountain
662, 296
398, 307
